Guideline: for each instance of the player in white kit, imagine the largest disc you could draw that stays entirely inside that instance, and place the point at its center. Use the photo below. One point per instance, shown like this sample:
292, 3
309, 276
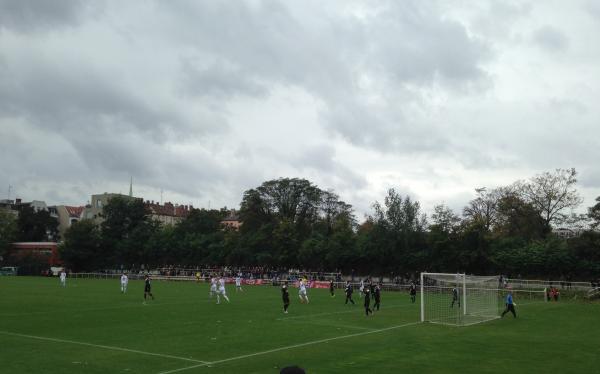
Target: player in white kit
222, 291
238, 283
213, 286
63, 278
362, 288
302, 293
124, 281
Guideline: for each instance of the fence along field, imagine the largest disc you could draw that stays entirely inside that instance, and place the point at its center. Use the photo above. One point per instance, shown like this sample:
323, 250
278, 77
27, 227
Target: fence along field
89, 326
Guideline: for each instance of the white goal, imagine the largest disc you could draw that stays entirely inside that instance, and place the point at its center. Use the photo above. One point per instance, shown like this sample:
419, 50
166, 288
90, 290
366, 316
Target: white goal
459, 299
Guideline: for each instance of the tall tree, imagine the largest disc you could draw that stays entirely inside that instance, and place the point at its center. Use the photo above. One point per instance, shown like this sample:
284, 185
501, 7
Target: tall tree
36, 226
594, 213
398, 233
483, 209
80, 250
444, 219
8, 231
125, 228
517, 218
552, 194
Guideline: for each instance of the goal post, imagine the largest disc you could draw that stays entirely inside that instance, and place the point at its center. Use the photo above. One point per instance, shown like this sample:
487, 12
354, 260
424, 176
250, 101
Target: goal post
459, 299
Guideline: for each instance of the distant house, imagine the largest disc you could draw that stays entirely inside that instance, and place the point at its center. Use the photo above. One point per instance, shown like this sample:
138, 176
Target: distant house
232, 221
566, 233
68, 215
94, 210
168, 214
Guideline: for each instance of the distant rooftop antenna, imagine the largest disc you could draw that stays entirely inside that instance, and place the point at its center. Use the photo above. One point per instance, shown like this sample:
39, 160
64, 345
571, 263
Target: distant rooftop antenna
9, 188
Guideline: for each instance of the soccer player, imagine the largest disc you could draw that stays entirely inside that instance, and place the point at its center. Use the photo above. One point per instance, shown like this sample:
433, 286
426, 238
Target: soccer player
285, 296
510, 305
413, 292
213, 286
302, 293
455, 298
147, 288
377, 294
222, 291
367, 294
361, 289
331, 288
63, 278
348, 292
124, 281
238, 283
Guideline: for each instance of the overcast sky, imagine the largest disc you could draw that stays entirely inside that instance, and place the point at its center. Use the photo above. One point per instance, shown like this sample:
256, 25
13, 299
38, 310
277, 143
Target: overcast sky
206, 99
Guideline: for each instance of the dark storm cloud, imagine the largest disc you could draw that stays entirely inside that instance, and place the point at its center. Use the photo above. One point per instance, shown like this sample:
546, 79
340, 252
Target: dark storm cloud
33, 15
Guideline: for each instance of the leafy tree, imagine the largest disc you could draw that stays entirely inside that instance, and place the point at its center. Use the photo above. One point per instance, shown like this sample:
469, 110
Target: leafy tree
594, 213
201, 221
551, 194
518, 218
483, 209
125, 229
80, 249
8, 231
398, 233
443, 244
35, 226
444, 219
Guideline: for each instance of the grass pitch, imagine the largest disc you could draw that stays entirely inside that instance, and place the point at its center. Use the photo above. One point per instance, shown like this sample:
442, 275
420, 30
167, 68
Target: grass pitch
90, 327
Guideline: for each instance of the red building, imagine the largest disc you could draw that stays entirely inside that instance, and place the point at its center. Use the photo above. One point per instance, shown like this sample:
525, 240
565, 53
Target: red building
46, 250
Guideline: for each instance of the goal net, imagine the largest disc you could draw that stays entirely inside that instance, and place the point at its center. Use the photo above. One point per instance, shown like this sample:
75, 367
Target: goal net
459, 299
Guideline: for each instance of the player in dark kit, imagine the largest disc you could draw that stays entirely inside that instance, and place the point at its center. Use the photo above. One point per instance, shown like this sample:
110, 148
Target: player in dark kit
331, 288
147, 288
413, 292
367, 293
348, 292
377, 295
285, 296
455, 298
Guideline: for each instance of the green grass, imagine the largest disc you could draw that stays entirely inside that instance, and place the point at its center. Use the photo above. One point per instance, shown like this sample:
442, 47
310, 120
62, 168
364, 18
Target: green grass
252, 335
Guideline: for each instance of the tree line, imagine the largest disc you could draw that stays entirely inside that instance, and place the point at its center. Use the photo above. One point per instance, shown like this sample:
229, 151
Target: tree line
292, 223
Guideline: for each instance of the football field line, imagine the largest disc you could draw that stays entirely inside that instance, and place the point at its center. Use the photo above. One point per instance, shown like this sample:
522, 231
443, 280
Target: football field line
235, 358
108, 347
333, 325
345, 311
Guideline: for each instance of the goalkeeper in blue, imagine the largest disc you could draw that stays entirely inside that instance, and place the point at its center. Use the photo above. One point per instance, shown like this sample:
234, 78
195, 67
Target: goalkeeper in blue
510, 305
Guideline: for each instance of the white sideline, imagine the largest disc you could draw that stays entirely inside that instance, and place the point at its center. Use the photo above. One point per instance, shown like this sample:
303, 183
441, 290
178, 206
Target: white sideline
289, 347
101, 346
333, 325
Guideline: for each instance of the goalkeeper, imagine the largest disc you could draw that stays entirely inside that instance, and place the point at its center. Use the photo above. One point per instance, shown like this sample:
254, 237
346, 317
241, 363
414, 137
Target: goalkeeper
510, 305
455, 298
